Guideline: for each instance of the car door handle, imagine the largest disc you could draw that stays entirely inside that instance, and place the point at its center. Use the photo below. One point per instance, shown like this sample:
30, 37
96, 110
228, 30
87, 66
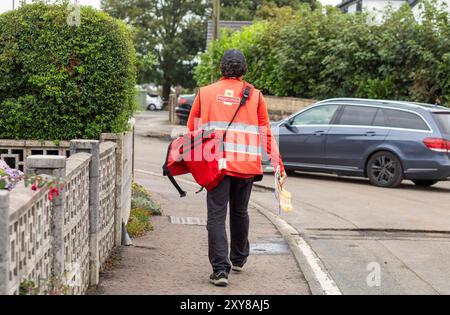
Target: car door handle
319, 133
370, 133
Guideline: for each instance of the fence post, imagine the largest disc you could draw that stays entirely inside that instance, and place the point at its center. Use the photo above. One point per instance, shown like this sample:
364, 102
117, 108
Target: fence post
92, 147
4, 241
54, 166
172, 105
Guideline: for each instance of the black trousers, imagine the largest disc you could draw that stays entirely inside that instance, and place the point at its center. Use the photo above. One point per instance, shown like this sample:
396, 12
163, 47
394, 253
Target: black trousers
235, 192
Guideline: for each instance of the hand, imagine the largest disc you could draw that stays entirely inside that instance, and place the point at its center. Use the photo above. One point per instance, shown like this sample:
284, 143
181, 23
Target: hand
282, 179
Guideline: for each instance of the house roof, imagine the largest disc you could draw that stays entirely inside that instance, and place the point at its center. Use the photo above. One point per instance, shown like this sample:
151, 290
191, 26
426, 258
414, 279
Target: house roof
344, 3
232, 25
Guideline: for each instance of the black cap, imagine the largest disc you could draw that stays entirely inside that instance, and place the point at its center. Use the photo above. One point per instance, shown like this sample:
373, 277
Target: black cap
233, 64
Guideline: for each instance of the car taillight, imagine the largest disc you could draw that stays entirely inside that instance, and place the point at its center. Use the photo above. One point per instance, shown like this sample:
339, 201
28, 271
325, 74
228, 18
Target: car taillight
182, 101
438, 145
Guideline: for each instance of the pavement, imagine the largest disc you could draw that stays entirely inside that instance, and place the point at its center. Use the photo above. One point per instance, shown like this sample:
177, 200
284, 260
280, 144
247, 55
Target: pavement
365, 239
172, 259
156, 124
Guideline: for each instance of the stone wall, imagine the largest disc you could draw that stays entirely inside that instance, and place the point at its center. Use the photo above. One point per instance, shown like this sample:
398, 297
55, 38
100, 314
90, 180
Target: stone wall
282, 107
68, 240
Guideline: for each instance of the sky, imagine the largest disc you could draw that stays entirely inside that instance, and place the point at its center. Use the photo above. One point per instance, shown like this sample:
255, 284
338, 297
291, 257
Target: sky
6, 5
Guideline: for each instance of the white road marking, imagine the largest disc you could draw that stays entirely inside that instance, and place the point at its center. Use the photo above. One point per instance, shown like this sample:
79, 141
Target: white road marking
297, 243
187, 220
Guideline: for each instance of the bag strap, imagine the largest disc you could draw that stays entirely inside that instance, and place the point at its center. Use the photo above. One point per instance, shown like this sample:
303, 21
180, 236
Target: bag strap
245, 95
168, 173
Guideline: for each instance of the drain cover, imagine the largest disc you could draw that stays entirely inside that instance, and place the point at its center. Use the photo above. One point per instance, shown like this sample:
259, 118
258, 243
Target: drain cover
187, 220
269, 249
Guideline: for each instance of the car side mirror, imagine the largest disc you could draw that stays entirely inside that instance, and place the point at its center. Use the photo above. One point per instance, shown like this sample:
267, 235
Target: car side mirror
287, 123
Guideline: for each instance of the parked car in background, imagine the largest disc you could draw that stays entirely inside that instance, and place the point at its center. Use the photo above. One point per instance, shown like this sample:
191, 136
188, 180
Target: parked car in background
385, 141
154, 102
184, 106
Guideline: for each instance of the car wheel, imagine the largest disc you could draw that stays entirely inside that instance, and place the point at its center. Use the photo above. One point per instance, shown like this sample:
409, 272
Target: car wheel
425, 183
151, 107
384, 169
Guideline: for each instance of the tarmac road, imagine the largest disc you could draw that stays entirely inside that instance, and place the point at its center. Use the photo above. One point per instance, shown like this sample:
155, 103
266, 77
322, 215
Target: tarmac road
356, 228
371, 240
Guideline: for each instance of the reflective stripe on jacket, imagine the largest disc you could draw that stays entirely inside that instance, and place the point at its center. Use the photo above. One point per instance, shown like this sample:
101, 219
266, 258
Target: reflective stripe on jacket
214, 108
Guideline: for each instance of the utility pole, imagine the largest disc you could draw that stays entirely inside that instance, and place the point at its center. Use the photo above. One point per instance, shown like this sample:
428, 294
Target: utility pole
216, 19
216, 26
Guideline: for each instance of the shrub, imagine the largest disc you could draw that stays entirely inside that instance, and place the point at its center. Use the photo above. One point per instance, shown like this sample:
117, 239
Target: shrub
139, 222
142, 208
147, 204
61, 82
140, 191
142, 199
324, 53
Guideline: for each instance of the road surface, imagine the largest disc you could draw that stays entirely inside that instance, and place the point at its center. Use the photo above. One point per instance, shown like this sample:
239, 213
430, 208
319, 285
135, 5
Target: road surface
371, 240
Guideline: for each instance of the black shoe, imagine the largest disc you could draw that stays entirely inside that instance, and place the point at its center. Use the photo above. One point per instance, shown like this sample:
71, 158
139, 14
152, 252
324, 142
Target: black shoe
219, 278
237, 267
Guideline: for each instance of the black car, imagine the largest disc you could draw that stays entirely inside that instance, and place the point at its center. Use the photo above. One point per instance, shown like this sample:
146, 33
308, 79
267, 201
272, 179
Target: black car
184, 105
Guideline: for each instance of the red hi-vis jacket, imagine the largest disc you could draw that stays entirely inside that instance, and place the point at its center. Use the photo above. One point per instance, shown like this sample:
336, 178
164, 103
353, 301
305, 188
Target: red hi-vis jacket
214, 108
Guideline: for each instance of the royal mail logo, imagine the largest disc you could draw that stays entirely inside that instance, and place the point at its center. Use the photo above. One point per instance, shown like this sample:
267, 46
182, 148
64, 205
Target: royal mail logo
228, 99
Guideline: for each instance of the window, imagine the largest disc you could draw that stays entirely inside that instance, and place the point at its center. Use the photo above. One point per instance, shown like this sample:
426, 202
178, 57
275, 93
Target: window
321, 115
358, 115
380, 119
405, 120
443, 120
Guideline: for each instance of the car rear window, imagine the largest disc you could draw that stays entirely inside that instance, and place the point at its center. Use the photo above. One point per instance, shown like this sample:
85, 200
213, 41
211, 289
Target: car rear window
357, 115
443, 120
404, 120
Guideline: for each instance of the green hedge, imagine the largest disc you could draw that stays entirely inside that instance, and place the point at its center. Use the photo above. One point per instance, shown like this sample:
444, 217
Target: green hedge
324, 53
61, 82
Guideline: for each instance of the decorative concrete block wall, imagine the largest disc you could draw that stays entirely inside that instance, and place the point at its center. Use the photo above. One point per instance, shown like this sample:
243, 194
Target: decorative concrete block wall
25, 238
76, 229
15, 152
124, 174
107, 200
67, 240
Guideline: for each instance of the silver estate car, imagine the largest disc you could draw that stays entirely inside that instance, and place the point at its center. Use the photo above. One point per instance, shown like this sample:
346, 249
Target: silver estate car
385, 141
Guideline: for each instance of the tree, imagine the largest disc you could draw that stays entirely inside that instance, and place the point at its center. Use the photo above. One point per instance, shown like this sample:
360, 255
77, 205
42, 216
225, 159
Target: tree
174, 31
322, 54
62, 82
248, 10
